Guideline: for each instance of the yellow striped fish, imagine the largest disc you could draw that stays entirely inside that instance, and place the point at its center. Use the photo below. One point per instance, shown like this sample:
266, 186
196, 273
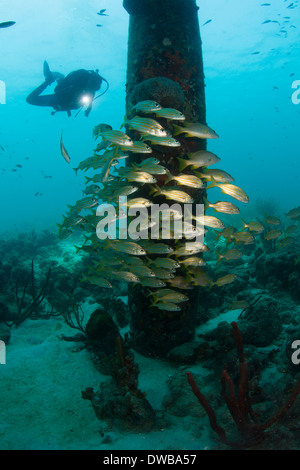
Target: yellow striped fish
146, 126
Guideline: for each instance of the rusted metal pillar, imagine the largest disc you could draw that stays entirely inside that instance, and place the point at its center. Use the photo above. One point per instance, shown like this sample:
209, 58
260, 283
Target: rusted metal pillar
165, 64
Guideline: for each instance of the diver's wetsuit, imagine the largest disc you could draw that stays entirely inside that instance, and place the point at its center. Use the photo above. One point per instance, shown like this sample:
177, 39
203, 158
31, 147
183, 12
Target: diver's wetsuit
69, 91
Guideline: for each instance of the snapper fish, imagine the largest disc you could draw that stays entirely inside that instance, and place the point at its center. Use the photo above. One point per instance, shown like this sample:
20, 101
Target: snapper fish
123, 246
294, 213
98, 281
202, 158
136, 176
220, 176
153, 169
185, 180
174, 194
169, 306
229, 255
221, 206
170, 113
164, 141
242, 238
273, 234
224, 280
169, 295
139, 147
145, 126
271, 220
152, 282
117, 138
84, 203
146, 106
64, 150
231, 190
195, 129
253, 226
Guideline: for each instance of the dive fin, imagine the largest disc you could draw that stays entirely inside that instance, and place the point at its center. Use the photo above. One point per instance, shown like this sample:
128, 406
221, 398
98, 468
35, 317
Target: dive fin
47, 73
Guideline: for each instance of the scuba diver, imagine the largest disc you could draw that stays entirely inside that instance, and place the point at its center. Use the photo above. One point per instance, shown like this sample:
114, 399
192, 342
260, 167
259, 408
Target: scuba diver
71, 92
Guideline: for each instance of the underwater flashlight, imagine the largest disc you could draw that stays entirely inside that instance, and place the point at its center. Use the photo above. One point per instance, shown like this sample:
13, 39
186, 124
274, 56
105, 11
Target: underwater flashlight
86, 99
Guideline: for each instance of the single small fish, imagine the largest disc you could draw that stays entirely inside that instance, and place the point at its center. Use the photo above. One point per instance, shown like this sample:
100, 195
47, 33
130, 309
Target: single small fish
139, 202
140, 147
272, 220
123, 191
146, 106
220, 176
206, 22
141, 271
169, 295
117, 138
167, 306
189, 249
186, 180
101, 12
255, 53
253, 226
98, 281
164, 141
181, 282
125, 276
170, 113
287, 241
157, 248
193, 261
195, 129
7, 24
91, 189
165, 263
213, 222
294, 213
125, 247
242, 238
64, 151
221, 206
136, 176
231, 190
84, 203
291, 229
152, 282
201, 278
174, 194
273, 234
70, 221
145, 126
153, 169
202, 158
229, 255
224, 280
164, 274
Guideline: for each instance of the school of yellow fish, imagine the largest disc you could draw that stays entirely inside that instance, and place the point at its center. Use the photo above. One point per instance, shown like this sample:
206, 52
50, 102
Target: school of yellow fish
153, 263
